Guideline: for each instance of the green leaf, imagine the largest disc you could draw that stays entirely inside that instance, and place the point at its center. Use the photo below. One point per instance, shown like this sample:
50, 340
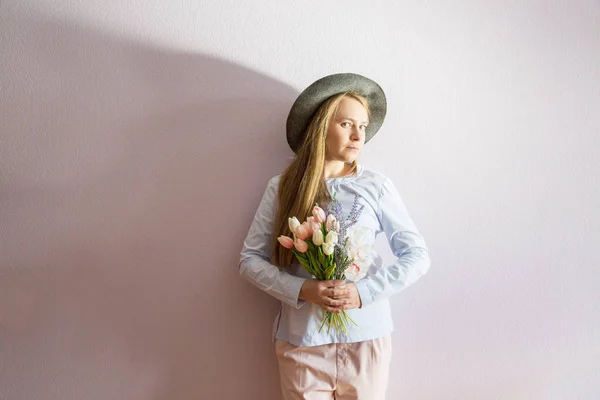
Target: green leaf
330, 271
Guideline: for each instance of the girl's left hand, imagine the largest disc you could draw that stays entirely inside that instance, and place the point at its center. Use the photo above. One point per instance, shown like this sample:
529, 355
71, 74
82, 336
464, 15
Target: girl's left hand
352, 298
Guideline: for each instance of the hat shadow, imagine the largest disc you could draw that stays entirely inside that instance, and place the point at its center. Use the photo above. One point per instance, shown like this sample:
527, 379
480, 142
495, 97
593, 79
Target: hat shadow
132, 175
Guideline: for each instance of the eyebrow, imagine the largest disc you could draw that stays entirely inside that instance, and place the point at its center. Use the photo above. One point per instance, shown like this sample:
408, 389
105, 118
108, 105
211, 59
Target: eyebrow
353, 120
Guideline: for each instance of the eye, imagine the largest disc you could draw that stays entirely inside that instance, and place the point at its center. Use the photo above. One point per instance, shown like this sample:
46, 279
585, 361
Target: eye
363, 127
345, 124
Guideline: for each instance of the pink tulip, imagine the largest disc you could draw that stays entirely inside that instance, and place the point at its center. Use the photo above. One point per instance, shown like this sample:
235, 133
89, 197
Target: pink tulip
300, 245
308, 227
286, 242
331, 222
319, 214
315, 226
301, 232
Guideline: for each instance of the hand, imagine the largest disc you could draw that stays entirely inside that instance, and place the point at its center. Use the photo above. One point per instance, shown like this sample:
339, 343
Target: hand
352, 298
331, 295
334, 296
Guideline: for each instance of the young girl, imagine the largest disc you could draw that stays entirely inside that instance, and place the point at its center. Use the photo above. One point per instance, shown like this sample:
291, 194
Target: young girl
327, 127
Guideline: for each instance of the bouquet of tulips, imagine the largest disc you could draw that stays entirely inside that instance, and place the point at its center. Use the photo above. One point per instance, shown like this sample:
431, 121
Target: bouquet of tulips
317, 246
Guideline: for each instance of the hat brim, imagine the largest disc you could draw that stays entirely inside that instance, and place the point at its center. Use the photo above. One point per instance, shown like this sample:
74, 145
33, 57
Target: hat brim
309, 101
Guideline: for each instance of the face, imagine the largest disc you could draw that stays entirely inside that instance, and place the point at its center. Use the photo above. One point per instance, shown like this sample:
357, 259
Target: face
346, 132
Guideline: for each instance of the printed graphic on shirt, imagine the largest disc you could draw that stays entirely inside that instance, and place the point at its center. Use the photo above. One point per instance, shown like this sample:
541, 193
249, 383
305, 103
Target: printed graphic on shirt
353, 255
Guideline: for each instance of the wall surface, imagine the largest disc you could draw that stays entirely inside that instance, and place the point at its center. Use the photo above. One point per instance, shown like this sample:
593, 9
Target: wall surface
136, 139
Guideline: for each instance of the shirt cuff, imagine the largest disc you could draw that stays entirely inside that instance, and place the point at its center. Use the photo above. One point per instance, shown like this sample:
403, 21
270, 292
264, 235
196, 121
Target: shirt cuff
293, 290
364, 292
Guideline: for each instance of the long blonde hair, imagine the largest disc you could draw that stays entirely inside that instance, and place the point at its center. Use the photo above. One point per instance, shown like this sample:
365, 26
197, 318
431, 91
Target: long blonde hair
302, 184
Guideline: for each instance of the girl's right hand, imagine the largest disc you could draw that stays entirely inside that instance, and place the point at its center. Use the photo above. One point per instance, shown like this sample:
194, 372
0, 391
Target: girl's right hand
327, 294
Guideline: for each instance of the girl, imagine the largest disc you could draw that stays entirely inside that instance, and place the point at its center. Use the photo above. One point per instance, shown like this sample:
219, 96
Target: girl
327, 127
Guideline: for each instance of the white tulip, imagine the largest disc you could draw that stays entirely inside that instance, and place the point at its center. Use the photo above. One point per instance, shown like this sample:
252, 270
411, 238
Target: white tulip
328, 248
332, 237
317, 237
293, 223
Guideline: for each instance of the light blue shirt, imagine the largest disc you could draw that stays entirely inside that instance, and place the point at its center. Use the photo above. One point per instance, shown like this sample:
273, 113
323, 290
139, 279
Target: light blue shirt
298, 322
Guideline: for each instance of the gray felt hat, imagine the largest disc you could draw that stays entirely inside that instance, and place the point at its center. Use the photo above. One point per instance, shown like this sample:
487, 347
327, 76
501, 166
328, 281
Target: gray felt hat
309, 101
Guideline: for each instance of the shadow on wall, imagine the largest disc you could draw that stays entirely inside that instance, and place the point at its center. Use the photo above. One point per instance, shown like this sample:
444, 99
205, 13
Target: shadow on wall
130, 175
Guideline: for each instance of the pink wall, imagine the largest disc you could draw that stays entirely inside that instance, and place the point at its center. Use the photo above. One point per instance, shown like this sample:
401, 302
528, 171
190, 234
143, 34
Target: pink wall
136, 139
125, 195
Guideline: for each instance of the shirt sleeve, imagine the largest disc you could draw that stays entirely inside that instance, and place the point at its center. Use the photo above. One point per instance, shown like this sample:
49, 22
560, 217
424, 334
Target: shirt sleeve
255, 256
406, 243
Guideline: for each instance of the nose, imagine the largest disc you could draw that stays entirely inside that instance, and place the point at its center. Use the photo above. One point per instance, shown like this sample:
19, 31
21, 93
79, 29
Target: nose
355, 133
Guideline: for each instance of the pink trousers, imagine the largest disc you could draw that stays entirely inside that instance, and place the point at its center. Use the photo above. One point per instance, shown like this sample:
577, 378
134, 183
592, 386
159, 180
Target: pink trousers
341, 371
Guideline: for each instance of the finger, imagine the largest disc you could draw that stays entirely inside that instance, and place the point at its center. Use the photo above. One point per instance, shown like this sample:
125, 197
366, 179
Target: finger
334, 303
332, 309
338, 293
334, 283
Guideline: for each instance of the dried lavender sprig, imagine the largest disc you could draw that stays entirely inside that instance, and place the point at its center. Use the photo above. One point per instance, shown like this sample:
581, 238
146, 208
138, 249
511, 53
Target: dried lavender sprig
335, 208
354, 212
340, 253
341, 260
352, 218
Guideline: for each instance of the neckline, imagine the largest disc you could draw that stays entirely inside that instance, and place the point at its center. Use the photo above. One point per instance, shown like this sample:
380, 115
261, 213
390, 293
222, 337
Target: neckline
359, 169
